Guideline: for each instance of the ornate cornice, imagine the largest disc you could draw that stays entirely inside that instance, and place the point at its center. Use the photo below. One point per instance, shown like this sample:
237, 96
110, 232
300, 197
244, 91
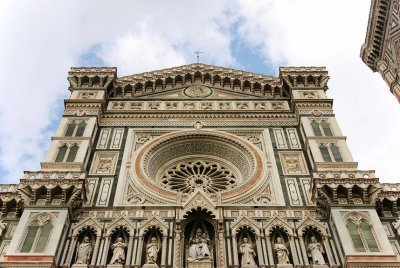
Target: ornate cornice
372, 49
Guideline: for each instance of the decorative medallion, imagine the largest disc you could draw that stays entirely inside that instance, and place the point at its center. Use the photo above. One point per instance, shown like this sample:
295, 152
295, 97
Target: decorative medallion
198, 91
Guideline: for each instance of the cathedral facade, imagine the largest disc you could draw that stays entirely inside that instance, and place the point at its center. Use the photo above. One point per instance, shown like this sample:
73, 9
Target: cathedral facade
199, 166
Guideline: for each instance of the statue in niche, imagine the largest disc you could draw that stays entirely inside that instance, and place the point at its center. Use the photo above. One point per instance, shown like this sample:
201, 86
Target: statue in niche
315, 250
248, 253
84, 251
118, 249
152, 250
281, 251
199, 246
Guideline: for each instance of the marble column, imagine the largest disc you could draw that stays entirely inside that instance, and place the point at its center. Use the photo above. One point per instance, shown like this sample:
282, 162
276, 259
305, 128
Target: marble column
135, 244
259, 251
163, 251
328, 251
177, 255
100, 256
140, 251
129, 250
71, 251
304, 251
221, 255
264, 249
235, 251
95, 250
105, 250
270, 250
293, 251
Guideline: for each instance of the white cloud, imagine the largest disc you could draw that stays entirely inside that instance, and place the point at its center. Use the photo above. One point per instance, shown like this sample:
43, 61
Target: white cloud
44, 38
330, 33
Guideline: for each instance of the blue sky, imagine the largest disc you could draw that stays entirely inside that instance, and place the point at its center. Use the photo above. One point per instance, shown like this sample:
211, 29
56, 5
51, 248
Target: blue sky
45, 38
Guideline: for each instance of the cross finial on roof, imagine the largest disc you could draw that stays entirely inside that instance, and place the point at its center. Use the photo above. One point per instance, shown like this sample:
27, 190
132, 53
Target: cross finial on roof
197, 55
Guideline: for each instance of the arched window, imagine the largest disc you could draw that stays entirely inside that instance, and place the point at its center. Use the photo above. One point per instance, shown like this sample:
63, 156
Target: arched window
369, 237
355, 237
362, 235
81, 129
70, 129
75, 129
72, 153
336, 153
325, 153
321, 128
61, 153
67, 153
316, 129
331, 153
326, 128
37, 236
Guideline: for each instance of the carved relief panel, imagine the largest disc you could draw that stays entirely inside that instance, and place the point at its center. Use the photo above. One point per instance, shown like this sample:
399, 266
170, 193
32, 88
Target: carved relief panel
293, 163
104, 163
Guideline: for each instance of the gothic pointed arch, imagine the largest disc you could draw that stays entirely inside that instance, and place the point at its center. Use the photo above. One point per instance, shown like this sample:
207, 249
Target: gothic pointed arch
245, 223
153, 223
307, 222
199, 200
277, 222
121, 221
89, 222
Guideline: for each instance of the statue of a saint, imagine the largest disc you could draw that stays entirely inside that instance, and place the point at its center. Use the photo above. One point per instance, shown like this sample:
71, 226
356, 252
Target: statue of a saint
315, 250
152, 250
248, 253
84, 251
199, 246
118, 249
281, 251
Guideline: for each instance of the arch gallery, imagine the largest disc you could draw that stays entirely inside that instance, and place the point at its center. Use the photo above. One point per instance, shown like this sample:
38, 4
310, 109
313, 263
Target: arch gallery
199, 166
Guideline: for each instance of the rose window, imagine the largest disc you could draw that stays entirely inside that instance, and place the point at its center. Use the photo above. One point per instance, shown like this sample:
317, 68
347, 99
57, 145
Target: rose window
187, 176
183, 161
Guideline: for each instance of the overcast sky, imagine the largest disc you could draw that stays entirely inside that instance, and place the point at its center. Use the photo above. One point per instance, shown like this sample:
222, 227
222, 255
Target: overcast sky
41, 40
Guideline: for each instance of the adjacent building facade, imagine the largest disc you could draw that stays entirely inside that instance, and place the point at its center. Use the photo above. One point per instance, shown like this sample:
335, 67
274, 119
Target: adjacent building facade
381, 50
199, 166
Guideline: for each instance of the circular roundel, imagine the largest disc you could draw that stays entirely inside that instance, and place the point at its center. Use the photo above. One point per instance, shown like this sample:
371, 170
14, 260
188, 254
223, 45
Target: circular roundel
183, 161
198, 91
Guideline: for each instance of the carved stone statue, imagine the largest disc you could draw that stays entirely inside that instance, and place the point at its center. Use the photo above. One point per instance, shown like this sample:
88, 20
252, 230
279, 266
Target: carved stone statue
315, 250
281, 251
118, 249
199, 246
84, 251
152, 250
248, 253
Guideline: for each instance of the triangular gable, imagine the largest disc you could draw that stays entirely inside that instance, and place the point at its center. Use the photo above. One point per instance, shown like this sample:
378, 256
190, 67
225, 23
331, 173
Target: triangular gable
275, 221
309, 221
192, 68
87, 222
156, 222
199, 199
120, 221
245, 222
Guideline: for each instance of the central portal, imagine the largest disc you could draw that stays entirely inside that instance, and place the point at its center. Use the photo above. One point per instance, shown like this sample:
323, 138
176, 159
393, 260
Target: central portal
199, 243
